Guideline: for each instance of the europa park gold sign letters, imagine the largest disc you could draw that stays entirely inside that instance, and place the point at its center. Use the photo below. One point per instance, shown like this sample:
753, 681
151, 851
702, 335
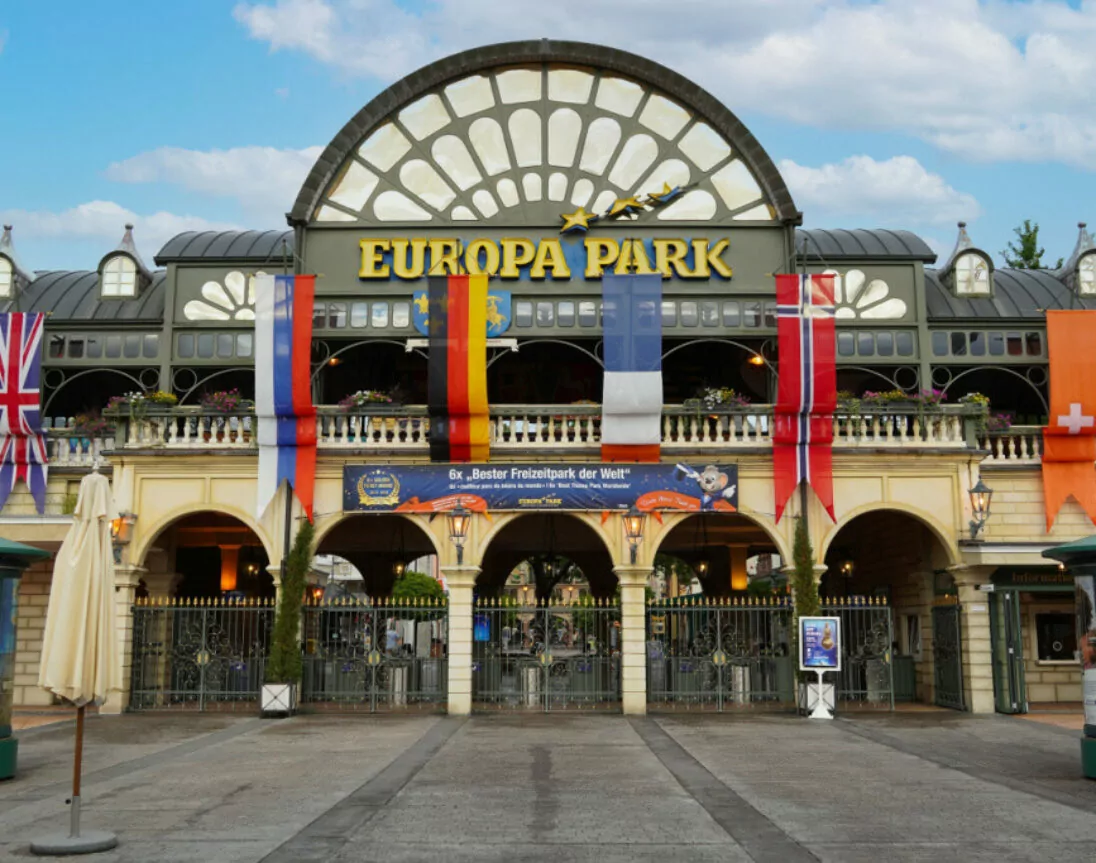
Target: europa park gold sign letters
413, 258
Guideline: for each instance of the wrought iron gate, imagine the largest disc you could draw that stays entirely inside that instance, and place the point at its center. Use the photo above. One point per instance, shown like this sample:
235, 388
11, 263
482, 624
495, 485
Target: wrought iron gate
375, 657
866, 678
204, 654
947, 655
720, 653
545, 657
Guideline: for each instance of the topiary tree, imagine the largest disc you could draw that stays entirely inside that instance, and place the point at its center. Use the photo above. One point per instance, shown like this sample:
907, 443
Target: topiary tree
412, 585
804, 586
285, 664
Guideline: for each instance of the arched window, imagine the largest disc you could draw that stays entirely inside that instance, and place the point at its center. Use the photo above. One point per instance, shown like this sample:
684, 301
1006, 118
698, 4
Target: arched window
119, 277
972, 275
1086, 275
7, 277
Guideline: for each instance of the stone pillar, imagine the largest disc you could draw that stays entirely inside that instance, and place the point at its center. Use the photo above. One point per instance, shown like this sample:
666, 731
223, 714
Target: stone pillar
976, 644
633, 637
161, 584
276, 574
126, 579
461, 581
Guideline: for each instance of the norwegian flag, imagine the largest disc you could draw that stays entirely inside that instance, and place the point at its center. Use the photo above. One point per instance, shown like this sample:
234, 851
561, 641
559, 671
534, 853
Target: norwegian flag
22, 445
807, 389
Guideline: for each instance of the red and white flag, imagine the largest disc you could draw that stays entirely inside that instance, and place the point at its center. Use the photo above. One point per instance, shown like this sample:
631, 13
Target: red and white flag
807, 389
22, 444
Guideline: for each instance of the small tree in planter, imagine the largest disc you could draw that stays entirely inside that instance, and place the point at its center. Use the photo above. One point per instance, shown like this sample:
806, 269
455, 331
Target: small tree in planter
284, 667
805, 589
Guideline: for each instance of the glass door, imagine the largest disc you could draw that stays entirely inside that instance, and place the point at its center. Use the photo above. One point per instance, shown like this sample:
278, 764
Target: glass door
1008, 656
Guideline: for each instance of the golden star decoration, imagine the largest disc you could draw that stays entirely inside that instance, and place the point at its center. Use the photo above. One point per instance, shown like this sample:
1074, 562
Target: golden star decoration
624, 205
422, 304
661, 197
579, 220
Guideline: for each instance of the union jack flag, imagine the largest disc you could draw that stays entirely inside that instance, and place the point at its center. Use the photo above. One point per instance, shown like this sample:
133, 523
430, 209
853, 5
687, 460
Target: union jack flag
807, 388
22, 445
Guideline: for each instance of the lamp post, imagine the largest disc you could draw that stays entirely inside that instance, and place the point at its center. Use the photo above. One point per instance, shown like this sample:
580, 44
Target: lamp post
459, 519
633, 529
980, 497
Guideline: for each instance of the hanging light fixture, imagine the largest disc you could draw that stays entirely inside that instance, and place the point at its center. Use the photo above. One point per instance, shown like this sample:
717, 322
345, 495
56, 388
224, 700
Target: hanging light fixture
459, 520
634, 521
980, 498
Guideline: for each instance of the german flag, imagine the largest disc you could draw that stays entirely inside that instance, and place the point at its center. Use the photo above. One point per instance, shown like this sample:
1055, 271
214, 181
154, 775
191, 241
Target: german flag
457, 374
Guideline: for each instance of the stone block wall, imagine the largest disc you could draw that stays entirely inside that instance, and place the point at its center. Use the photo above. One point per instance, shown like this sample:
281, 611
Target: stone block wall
30, 624
1046, 683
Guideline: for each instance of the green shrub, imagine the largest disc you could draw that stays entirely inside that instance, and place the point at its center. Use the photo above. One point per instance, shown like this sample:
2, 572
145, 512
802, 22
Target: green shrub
285, 665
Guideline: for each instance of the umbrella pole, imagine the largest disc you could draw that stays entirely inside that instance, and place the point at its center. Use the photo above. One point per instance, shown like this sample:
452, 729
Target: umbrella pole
77, 766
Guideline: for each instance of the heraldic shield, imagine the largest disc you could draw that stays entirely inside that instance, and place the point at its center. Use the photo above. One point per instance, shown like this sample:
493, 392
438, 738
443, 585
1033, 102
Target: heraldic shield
498, 312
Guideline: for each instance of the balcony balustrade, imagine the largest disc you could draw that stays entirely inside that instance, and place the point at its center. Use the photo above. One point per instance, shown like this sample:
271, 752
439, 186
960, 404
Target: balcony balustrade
1015, 446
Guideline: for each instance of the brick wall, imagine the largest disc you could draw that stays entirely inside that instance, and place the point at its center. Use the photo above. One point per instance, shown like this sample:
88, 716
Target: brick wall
1018, 513
30, 623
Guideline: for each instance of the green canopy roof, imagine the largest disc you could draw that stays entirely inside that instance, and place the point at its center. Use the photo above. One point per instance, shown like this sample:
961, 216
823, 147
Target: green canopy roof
1072, 553
17, 554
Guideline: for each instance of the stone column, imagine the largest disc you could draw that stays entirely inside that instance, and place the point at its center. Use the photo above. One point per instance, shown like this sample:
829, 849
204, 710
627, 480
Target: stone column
461, 581
126, 579
633, 637
976, 644
161, 584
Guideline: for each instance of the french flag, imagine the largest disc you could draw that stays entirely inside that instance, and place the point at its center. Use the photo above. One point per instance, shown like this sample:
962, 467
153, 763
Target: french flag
284, 410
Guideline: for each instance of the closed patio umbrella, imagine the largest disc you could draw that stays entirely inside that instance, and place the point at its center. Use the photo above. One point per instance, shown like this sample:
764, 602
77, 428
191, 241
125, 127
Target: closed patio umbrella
80, 655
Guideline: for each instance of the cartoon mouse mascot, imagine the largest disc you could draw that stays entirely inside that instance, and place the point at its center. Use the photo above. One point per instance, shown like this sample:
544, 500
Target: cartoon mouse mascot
713, 483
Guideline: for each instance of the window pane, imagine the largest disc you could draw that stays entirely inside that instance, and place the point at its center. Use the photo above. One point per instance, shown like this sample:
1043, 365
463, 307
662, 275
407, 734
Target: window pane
75, 347
904, 343
958, 344
186, 345
770, 315
150, 346
730, 314
225, 343
114, 347
939, 344
523, 313
1056, 637
336, 315
565, 313
359, 314
401, 314
751, 314
884, 344
1015, 345
977, 344
546, 314
669, 313
846, 344
56, 346
380, 315
244, 342
865, 344
319, 316
690, 315
996, 344
205, 346
645, 316
132, 347
1034, 344
587, 314
95, 347
709, 314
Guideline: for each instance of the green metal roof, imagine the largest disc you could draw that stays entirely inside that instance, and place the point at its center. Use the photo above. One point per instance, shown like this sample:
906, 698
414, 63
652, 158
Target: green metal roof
1080, 551
73, 295
17, 554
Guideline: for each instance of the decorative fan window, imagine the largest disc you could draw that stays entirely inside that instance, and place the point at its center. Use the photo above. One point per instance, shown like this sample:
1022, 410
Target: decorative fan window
856, 297
524, 144
1086, 275
232, 301
7, 277
119, 278
972, 275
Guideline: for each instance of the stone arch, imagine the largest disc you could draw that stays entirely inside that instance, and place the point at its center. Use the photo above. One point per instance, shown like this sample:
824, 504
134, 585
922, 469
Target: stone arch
721, 140
147, 537
934, 525
374, 542
672, 521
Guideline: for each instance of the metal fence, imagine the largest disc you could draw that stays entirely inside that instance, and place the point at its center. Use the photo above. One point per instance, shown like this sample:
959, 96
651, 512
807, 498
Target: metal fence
375, 656
546, 656
866, 678
712, 653
201, 654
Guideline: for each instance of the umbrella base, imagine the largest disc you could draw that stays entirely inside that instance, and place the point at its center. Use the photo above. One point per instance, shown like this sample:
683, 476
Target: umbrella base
61, 844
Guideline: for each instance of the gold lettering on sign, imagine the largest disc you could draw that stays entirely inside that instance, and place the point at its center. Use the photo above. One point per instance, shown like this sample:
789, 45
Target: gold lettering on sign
445, 257
715, 260
670, 258
550, 257
600, 254
408, 258
633, 259
373, 266
490, 252
516, 253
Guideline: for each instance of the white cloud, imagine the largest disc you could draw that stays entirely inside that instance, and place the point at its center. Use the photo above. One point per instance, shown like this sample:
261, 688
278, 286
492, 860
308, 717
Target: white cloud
990, 80
104, 222
898, 191
264, 180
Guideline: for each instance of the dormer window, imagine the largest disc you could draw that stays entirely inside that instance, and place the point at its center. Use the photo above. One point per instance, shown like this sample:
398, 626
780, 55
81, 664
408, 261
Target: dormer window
119, 277
972, 275
1086, 275
7, 278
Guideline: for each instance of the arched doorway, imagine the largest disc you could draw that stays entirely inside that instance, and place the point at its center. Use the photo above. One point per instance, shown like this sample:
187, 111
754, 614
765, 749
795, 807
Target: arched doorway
546, 623
887, 571
380, 548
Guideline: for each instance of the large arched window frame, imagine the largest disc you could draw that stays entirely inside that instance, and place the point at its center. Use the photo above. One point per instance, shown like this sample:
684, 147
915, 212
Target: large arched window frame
972, 275
7, 277
118, 277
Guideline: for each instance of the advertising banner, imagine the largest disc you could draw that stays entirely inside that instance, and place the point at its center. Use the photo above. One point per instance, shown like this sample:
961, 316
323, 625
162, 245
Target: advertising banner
575, 487
1086, 629
820, 644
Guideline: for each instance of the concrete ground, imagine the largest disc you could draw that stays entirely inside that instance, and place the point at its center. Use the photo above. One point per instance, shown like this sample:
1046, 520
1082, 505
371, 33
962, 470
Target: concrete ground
905, 787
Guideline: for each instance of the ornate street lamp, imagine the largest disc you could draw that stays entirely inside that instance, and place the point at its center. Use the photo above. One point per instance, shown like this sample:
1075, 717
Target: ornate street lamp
459, 519
634, 521
980, 497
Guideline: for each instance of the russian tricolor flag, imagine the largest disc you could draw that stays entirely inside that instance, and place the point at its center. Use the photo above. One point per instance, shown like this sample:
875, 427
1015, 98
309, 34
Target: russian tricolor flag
284, 410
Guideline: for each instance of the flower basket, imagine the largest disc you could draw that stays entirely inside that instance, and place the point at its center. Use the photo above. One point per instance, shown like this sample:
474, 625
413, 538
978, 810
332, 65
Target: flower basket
225, 401
368, 402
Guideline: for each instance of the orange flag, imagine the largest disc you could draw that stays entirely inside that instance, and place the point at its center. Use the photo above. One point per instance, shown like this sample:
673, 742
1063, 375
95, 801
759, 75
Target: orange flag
1069, 439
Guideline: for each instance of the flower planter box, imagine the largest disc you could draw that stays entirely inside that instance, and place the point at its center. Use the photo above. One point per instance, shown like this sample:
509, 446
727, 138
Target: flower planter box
278, 700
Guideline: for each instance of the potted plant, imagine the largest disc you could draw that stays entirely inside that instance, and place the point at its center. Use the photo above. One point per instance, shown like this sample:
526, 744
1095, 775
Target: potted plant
224, 401
363, 400
284, 667
807, 604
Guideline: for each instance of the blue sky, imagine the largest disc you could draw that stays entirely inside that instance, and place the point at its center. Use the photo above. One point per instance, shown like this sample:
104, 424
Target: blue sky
208, 113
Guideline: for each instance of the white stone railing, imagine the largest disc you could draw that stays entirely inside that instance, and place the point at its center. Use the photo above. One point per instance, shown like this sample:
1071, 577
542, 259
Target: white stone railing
66, 446
568, 428
1017, 445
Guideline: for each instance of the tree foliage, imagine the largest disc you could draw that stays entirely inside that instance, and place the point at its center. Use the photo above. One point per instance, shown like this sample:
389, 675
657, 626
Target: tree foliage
803, 583
284, 665
1026, 253
413, 585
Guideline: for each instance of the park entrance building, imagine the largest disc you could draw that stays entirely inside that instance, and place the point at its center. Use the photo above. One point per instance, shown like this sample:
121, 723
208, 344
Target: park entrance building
547, 167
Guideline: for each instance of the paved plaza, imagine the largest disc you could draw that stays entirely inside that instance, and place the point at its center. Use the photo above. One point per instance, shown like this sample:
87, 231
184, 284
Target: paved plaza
907, 787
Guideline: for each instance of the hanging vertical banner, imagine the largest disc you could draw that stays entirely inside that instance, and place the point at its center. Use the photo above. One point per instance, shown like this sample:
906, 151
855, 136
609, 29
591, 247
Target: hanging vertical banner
631, 403
457, 369
22, 444
284, 410
1069, 439
807, 389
